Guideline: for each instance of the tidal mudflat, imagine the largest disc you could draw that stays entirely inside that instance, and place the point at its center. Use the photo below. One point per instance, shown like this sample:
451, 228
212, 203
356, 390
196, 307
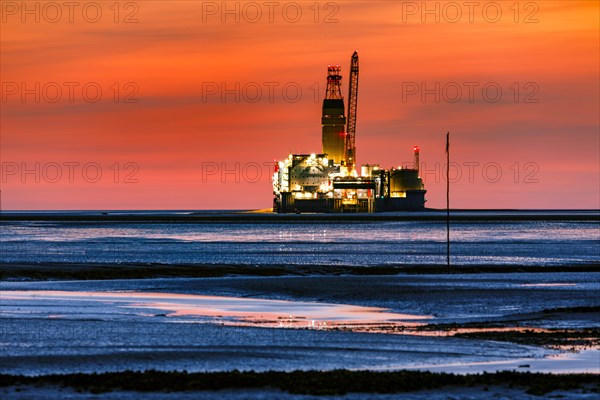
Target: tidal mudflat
80, 298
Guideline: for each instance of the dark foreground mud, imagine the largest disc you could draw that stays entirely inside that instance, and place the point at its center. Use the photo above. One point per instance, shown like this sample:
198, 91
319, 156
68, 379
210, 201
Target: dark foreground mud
336, 382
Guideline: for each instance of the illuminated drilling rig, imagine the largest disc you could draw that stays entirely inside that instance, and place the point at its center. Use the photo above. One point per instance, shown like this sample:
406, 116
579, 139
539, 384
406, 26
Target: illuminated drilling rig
329, 181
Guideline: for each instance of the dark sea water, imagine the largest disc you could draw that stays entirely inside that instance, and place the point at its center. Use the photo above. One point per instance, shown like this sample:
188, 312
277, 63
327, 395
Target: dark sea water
535, 242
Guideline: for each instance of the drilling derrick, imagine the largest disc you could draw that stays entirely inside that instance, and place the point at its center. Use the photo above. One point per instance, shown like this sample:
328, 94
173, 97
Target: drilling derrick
333, 120
350, 151
334, 83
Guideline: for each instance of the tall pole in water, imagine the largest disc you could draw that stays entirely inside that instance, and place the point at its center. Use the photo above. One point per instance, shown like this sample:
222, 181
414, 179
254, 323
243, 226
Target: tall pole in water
448, 201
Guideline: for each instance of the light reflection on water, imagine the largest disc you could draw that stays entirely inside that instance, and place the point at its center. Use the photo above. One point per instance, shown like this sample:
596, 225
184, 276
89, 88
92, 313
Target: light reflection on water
371, 243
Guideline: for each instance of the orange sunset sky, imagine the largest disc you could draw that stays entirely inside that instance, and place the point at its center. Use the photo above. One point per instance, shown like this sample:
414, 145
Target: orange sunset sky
170, 138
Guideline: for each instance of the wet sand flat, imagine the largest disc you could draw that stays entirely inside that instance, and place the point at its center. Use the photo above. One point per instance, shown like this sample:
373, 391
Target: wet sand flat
264, 323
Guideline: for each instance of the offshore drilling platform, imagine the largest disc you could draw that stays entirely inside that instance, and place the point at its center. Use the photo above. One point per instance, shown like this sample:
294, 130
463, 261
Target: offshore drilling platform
329, 181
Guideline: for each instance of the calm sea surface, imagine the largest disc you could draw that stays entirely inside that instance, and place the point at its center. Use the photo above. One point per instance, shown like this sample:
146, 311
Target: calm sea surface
331, 243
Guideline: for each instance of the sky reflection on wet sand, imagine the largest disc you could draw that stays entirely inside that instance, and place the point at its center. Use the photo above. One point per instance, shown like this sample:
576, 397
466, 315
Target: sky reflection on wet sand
234, 310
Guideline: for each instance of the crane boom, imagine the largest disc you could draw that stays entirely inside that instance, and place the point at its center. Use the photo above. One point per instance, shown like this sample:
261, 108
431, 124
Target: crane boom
351, 125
